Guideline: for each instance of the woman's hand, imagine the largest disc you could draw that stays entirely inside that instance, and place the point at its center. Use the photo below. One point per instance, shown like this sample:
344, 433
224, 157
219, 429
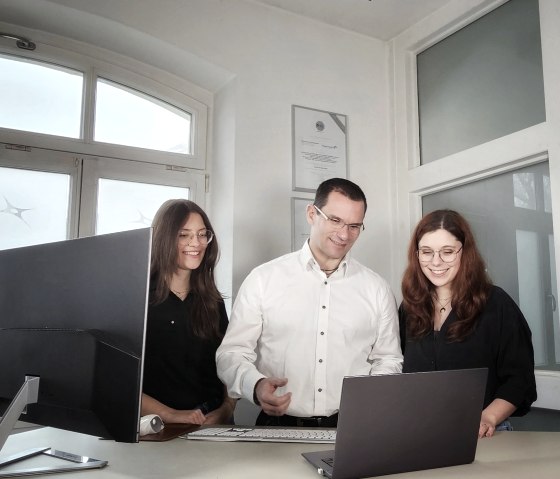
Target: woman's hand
170, 415
222, 415
496, 412
187, 416
486, 429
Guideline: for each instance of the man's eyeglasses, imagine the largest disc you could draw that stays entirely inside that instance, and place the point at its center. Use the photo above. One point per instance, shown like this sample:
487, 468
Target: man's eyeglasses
337, 224
447, 255
203, 237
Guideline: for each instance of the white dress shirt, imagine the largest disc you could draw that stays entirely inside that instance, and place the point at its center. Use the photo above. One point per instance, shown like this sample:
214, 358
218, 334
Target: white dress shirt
290, 320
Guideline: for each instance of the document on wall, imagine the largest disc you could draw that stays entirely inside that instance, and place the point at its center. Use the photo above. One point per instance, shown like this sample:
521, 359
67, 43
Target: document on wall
319, 147
300, 227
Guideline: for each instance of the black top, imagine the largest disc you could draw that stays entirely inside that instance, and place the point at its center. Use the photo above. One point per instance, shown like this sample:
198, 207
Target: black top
501, 342
179, 367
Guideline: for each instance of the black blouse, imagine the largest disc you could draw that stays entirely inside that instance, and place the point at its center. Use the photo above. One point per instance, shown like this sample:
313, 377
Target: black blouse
179, 367
501, 342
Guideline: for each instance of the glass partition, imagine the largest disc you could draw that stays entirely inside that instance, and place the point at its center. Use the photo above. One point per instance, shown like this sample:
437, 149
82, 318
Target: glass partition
511, 218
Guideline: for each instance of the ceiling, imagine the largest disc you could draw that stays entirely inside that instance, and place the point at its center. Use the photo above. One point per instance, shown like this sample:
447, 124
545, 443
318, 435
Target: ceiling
381, 19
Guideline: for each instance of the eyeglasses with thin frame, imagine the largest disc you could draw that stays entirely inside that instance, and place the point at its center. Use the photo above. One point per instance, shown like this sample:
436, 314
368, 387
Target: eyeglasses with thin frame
337, 224
447, 255
203, 236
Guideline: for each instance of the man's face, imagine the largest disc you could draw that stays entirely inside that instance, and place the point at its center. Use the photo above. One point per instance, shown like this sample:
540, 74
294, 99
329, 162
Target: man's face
332, 238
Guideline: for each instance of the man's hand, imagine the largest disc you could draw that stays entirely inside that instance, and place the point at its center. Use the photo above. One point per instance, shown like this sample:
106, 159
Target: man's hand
271, 404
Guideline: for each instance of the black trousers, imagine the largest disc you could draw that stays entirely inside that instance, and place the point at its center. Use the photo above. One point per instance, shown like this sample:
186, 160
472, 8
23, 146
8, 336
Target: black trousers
292, 421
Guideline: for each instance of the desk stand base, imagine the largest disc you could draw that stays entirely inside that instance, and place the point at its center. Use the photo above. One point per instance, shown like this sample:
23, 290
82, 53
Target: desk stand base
80, 463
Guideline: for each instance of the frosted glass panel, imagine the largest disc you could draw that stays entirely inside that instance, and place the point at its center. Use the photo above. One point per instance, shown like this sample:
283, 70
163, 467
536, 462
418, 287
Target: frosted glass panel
33, 207
511, 218
127, 205
481, 83
40, 97
128, 117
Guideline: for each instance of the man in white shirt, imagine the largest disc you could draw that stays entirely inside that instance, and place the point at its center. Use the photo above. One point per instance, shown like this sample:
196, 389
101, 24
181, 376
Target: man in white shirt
302, 322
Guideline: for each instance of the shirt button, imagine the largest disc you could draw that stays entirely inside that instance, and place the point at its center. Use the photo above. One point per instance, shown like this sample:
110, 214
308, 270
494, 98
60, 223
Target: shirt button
322, 333
326, 282
324, 307
320, 390
320, 360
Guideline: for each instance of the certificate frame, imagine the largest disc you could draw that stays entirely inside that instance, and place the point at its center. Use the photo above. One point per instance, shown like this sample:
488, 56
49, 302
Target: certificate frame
300, 227
319, 147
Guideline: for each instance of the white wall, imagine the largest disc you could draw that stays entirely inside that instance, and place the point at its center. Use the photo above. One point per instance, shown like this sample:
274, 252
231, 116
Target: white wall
257, 61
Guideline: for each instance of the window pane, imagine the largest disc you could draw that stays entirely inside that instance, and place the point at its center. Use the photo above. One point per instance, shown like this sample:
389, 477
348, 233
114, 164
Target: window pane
481, 83
40, 97
529, 272
128, 117
524, 193
33, 207
515, 236
126, 205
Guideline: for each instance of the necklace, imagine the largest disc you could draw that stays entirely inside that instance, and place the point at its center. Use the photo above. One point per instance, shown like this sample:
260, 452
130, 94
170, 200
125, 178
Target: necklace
180, 293
329, 270
443, 305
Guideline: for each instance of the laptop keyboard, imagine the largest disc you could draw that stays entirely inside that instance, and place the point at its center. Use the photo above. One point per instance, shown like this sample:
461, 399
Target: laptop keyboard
276, 434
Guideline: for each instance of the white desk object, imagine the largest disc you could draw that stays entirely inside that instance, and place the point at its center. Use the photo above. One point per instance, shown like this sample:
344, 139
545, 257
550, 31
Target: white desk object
508, 455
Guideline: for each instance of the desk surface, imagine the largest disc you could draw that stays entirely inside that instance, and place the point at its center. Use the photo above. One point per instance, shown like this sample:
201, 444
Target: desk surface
508, 455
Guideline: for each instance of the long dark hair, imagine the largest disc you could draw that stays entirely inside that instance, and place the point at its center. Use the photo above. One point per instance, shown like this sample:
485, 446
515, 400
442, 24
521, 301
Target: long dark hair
470, 288
168, 220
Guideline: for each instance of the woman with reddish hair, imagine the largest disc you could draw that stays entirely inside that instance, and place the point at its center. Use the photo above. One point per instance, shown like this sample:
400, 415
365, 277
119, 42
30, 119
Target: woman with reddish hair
453, 317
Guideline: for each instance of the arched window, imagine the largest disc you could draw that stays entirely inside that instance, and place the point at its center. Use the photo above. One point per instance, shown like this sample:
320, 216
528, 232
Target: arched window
87, 147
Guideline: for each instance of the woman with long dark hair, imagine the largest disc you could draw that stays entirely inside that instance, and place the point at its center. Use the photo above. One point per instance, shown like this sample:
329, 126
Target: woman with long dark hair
453, 317
186, 320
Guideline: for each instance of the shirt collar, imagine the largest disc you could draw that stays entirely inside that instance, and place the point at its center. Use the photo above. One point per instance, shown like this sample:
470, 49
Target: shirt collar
308, 261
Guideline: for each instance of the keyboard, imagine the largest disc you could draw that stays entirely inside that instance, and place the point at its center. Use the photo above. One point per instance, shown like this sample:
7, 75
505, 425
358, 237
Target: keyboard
266, 434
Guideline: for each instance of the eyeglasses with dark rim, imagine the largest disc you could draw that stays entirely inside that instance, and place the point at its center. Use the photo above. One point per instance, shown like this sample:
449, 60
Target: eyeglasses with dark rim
447, 255
337, 224
203, 236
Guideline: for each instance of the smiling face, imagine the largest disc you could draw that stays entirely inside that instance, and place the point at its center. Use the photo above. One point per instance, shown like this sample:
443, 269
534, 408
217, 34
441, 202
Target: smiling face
440, 273
328, 243
190, 251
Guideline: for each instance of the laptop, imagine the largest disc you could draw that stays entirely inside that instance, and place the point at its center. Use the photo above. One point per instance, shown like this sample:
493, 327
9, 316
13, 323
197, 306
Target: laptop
404, 422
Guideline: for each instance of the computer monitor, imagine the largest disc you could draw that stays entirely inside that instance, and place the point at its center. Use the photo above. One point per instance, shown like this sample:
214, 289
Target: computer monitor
73, 314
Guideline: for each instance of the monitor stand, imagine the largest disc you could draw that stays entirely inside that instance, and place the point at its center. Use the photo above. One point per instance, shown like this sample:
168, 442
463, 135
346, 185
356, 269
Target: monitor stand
28, 394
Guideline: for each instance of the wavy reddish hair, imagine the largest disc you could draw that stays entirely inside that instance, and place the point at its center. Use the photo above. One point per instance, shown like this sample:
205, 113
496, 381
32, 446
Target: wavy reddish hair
470, 288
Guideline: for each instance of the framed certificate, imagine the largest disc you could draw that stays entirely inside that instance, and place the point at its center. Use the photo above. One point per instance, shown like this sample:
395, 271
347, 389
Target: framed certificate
319, 147
300, 227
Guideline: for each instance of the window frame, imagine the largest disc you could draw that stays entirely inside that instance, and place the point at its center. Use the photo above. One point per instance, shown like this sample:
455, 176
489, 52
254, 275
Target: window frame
148, 82
529, 146
95, 168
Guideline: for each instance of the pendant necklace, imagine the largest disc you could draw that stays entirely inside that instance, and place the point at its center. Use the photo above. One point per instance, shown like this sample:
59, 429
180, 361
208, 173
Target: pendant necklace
443, 305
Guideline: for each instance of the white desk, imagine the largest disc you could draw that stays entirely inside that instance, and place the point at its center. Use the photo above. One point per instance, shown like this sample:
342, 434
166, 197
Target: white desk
511, 455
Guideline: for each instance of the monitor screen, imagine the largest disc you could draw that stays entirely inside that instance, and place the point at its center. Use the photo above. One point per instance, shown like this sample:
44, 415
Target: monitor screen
73, 313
